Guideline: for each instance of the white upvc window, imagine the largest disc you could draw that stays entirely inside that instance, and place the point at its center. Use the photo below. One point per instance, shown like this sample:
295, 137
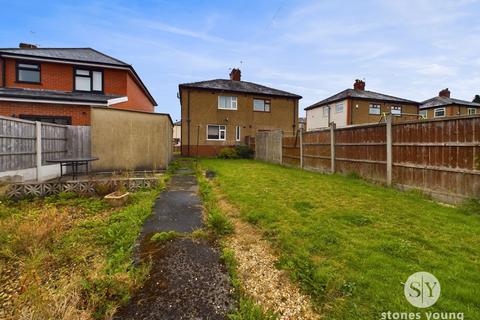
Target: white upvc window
339, 107
423, 114
439, 113
472, 110
227, 102
88, 80
261, 105
237, 133
216, 132
396, 111
326, 109
374, 109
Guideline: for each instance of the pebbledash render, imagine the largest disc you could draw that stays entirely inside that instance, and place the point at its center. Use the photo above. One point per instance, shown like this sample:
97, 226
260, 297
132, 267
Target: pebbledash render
60, 85
223, 113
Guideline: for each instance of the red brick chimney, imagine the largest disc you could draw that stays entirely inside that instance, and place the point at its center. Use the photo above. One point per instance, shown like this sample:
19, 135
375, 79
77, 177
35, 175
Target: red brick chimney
444, 93
235, 74
359, 85
23, 45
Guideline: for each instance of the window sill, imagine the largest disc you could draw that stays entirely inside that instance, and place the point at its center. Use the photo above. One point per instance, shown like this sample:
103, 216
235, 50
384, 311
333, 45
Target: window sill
29, 82
216, 140
227, 109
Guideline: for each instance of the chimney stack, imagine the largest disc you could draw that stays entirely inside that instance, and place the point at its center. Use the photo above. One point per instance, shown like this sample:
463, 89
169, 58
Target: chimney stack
235, 74
359, 85
23, 45
444, 93
476, 99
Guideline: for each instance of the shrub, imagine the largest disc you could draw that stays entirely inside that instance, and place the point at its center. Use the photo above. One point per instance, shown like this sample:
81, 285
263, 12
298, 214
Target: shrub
228, 153
219, 223
244, 152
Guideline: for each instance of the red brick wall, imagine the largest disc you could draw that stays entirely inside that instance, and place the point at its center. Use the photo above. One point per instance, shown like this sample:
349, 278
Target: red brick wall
58, 76
80, 114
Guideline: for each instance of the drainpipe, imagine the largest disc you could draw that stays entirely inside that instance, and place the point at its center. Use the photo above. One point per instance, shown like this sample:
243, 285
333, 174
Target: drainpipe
3, 71
188, 122
295, 104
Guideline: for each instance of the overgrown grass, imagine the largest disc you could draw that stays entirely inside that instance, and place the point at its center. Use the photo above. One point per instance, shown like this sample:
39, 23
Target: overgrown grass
351, 245
221, 226
164, 236
73, 255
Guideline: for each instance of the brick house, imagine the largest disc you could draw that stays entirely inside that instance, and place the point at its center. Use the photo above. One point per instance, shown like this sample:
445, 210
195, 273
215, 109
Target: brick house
358, 106
444, 106
60, 85
221, 113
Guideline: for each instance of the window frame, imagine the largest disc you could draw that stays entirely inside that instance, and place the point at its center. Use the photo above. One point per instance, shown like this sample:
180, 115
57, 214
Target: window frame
90, 75
474, 111
426, 113
237, 133
264, 104
374, 106
325, 111
231, 102
336, 107
18, 68
396, 108
219, 132
435, 112
37, 117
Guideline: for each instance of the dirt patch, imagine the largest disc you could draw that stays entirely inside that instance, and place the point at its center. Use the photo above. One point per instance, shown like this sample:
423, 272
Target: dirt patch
261, 280
186, 281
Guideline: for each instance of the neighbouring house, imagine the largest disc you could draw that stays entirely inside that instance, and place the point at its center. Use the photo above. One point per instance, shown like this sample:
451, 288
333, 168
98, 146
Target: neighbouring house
177, 133
60, 85
222, 113
444, 106
359, 106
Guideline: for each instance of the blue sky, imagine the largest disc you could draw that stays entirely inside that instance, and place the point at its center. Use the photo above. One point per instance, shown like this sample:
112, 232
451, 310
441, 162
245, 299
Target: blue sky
410, 49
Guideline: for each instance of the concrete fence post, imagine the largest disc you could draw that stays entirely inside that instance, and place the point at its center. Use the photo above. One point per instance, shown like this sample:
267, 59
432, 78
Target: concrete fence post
332, 146
38, 149
389, 149
301, 147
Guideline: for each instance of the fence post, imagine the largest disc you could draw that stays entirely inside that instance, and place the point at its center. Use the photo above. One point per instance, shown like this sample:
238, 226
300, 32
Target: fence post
38, 149
332, 146
301, 147
389, 149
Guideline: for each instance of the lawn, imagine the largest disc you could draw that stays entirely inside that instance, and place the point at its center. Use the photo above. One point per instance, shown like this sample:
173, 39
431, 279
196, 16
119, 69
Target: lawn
68, 257
350, 244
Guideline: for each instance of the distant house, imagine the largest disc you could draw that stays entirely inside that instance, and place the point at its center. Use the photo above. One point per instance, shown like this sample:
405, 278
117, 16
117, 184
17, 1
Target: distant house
358, 106
444, 106
177, 133
221, 113
59, 85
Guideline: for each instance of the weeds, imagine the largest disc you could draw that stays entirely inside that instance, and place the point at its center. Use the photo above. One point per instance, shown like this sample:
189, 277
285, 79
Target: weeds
471, 206
162, 237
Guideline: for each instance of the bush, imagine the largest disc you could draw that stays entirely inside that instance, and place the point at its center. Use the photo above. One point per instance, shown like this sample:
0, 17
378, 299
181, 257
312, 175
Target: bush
228, 153
244, 152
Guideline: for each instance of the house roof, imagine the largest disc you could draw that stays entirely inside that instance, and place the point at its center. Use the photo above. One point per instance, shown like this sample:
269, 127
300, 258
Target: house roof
238, 86
76, 55
60, 96
360, 94
69, 54
445, 101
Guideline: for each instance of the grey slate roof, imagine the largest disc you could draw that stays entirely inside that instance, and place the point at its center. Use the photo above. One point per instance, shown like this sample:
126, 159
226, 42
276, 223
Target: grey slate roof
238, 86
360, 94
36, 94
70, 54
444, 101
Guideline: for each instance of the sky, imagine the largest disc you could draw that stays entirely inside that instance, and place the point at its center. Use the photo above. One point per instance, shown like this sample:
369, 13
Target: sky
409, 49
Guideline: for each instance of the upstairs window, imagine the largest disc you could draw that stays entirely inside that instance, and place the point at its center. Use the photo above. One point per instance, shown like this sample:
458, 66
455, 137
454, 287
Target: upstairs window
326, 111
472, 111
396, 111
423, 114
261, 105
88, 80
28, 72
374, 109
439, 113
227, 102
339, 107
216, 132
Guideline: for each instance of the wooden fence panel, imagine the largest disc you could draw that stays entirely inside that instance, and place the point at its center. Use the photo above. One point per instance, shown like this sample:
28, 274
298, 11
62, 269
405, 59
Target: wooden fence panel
17, 144
291, 151
269, 146
78, 141
54, 142
316, 150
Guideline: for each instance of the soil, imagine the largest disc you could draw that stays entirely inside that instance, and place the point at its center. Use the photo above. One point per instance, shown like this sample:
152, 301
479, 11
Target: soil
187, 279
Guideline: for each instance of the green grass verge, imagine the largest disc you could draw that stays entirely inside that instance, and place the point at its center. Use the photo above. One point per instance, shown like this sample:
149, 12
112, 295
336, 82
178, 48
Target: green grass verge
350, 244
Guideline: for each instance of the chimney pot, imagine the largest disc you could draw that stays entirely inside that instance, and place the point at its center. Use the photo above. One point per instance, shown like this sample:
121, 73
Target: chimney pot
359, 85
235, 74
444, 93
27, 46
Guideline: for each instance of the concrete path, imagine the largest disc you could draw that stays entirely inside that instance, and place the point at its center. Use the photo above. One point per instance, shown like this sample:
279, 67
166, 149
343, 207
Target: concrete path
187, 280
